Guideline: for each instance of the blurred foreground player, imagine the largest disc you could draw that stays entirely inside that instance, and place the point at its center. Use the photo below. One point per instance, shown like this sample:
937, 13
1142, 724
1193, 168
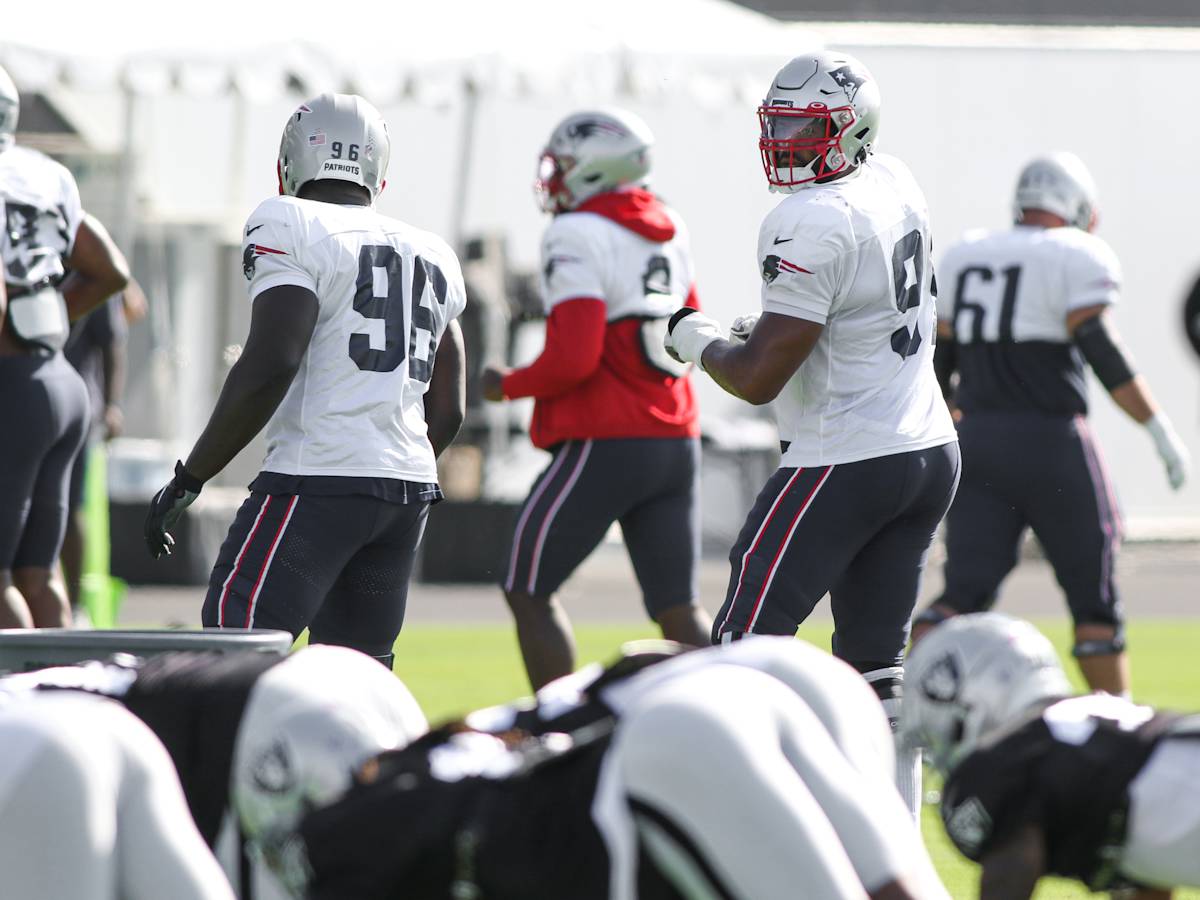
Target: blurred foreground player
256, 739
91, 808
702, 776
617, 414
844, 348
354, 362
1030, 305
58, 263
1040, 782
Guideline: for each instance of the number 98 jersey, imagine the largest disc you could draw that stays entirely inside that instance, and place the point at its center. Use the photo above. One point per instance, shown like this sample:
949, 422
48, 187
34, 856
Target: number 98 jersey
387, 292
853, 255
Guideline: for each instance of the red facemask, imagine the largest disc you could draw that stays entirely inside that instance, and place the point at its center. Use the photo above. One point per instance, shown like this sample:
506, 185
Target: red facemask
795, 143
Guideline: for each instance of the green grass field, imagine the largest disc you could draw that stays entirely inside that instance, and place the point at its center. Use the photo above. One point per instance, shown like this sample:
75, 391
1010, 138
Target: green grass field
454, 669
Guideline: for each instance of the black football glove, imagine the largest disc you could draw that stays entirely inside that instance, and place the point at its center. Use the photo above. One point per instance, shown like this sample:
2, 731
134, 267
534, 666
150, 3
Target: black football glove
167, 507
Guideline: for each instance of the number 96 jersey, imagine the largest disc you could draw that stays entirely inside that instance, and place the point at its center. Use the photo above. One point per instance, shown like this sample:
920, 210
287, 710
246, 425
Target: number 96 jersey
386, 291
853, 255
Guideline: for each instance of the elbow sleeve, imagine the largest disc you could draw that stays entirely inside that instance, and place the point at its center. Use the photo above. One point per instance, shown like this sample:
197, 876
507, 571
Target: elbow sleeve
1106, 357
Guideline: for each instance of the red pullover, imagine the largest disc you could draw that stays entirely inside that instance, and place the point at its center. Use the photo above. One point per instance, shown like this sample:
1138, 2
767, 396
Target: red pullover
592, 379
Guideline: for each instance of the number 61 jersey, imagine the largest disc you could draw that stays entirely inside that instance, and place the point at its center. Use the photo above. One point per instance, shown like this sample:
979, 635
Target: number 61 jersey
853, 255
386, 291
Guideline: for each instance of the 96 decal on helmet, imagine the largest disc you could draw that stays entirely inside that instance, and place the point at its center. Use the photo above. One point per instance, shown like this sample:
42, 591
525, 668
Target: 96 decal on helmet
589, 153
819, 119
337, 136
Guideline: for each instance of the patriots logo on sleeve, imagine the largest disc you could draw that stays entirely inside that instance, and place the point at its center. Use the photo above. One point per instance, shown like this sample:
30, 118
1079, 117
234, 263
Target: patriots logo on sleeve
773, 265
557, 260
251, 254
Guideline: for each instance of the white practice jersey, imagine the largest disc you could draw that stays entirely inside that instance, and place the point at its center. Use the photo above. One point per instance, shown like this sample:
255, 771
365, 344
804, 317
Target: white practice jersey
387, 292
585, 254
853, 255
42, 213
1008, 294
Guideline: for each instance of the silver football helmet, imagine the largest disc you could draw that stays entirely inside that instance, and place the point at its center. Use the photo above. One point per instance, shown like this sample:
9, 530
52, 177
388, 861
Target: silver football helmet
10, 109
820, 118
589, 153
971, 675
1061, 184
302, 752
339, 136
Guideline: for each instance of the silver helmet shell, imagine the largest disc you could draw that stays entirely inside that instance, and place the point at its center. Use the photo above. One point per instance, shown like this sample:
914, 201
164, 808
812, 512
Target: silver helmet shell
320, 715
589, 153
10, 110
971, 675
337, 136
1060, 184
819, 119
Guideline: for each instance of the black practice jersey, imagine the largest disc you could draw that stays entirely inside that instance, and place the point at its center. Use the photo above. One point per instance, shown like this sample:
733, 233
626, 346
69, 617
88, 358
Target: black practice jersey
467, 814
1066, 769
1010, 295
193, 702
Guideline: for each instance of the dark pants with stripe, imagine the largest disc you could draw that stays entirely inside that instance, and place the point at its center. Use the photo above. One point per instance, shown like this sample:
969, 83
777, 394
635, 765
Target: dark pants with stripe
44, 411
1033, 470
646, 484
337, 565
859, 531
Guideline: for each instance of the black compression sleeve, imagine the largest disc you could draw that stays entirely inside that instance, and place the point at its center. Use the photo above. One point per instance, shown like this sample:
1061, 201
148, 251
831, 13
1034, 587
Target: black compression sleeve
945, 361
1103, 353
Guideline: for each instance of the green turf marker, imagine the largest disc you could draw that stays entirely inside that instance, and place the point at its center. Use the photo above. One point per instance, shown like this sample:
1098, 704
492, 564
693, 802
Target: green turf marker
100, 593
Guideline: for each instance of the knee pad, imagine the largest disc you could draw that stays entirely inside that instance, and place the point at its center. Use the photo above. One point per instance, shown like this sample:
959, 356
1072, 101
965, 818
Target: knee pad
1101, 647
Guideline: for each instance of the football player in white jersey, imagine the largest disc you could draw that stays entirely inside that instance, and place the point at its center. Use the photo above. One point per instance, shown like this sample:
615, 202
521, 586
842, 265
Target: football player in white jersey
58, 263
618, 415
1027, 306
844, 347
1040, 782
354, 362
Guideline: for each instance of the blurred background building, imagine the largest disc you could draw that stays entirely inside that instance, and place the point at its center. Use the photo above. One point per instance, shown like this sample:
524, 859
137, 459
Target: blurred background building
1023, 12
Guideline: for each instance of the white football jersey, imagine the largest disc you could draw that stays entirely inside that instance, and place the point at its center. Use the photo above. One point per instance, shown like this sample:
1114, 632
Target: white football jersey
853, 255
585, 254
42, 213
387, 291
1019, 284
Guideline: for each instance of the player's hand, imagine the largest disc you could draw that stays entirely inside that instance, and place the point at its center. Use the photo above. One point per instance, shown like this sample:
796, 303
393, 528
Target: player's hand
742, 326
1171, 450
114, 421
689, 332
491, 383
166, 509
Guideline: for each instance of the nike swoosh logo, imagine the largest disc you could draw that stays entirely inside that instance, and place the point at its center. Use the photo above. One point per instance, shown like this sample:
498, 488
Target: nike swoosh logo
250, 231
781, 240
